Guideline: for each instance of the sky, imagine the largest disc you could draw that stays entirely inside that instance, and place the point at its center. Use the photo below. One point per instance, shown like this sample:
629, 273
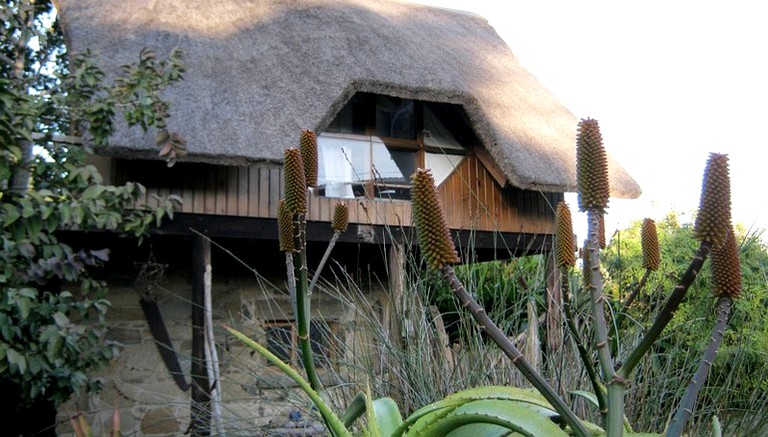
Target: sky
668, 81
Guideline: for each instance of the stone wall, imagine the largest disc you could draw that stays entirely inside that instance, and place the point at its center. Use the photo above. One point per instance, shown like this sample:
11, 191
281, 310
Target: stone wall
256, 399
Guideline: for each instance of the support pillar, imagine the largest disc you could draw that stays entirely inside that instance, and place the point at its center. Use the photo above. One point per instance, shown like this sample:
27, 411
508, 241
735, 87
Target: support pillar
200, 414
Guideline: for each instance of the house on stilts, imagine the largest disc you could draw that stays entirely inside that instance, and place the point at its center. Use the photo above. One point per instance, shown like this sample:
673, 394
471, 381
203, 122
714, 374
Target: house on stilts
389, 87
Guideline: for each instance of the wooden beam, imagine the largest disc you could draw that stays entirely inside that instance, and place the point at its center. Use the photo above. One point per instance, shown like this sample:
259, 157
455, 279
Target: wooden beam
485, 158
200, 416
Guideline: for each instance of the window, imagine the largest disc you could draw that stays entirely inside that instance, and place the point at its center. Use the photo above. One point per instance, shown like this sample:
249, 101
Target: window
282, 340
375, 143
360, 166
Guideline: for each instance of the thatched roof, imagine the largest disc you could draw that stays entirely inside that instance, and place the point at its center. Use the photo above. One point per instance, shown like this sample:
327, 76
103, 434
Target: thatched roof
259, 71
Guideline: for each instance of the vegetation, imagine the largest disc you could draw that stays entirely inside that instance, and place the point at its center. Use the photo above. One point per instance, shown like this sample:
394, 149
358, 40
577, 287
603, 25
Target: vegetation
620, 332
51, 310
613, 342
739, 370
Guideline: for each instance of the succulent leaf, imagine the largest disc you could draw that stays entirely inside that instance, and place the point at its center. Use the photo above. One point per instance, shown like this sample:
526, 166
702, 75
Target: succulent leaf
295, 182
434, 239
565, 246
649, 241
714, 218
591, 167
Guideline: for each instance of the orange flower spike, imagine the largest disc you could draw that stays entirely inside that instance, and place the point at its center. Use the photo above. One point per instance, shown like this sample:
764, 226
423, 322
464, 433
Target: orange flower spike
591, 167
565, 246
714, 218
649, 242
308, 147
431, 229
295, 182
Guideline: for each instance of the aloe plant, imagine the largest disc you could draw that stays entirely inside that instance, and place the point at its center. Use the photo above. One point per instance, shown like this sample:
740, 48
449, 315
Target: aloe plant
502, 411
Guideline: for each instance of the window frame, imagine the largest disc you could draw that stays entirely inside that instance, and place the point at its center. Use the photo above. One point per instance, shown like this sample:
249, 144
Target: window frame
361, 110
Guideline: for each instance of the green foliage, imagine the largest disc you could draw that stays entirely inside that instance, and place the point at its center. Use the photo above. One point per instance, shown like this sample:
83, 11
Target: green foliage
741, 366
51, 311
502, 287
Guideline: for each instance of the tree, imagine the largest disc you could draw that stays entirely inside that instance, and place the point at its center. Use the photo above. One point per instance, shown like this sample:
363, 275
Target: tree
52, 311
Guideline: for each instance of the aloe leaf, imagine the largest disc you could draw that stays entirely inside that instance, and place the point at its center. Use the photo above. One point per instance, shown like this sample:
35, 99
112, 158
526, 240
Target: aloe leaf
354, 410
588, 395
373, 429
387, 416
513, 415
331, 419
423, 417
482, 430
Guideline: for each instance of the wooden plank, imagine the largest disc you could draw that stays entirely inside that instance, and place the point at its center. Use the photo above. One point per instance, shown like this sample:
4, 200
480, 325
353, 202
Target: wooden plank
253, 191
275, 180
243, 194
490, 165
221, 190
198, 194
354, 210
209, 196
263, 192
325, 207
187, 194
231, 189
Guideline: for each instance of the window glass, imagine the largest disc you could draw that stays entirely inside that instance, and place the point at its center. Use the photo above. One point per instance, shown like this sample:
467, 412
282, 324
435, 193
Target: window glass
391, 165
442, 165
342, 163
439, 136
395, 118
353, 117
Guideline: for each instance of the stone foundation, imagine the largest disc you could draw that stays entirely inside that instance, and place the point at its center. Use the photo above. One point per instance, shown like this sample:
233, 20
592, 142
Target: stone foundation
256, 399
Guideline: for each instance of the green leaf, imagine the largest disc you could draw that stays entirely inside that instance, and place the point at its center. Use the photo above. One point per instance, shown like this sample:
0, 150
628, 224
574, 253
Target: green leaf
17, 359
480, 430
11, 214
354, 410
25, 306
62, 321
387, 416
513, 415
588, 395
330, 417
93, 191
478, 393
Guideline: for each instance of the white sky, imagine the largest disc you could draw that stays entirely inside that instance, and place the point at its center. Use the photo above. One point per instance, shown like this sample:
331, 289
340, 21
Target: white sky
668, 81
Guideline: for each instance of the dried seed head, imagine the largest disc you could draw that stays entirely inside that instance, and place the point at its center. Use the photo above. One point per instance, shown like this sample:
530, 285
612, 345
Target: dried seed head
649, 241
431, 229
726, 267
565, 246
308, 145
340, 217
295, 182
285, 228
591, 167
714, 217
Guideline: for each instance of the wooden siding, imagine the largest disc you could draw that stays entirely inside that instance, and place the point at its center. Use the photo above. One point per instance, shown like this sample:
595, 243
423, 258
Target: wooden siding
252, 191
472, 198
